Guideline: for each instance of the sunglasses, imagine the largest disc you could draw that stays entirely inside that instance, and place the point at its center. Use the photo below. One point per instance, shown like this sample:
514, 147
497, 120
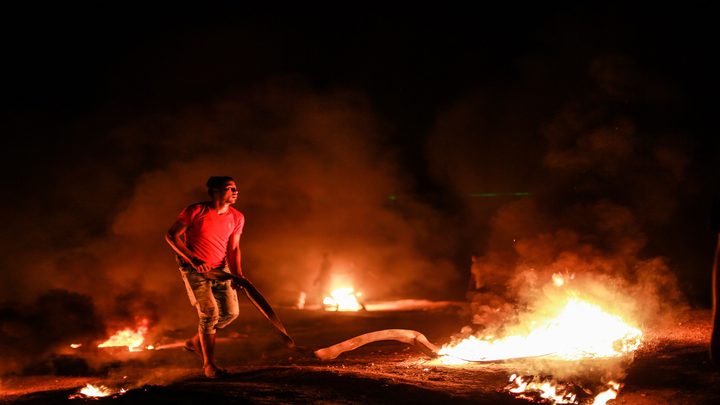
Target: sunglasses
233, 189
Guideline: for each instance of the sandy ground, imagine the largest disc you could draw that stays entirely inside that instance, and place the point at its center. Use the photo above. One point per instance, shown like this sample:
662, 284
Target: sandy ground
672, 366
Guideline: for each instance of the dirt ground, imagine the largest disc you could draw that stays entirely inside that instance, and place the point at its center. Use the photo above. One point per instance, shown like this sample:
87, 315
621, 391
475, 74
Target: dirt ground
671, 368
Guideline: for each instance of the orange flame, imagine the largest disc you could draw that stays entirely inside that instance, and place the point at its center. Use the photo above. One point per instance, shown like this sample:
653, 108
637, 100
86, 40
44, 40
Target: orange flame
343, 299
580, 330
91, 391
610, 393
574, 329
557, 393
132, 338
547, 390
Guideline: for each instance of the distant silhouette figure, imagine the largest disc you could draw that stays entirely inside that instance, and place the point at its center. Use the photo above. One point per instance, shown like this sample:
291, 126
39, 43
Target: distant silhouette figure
476, 282
322, 281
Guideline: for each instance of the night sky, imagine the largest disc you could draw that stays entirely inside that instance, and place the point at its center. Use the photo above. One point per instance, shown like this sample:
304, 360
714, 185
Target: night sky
399, 141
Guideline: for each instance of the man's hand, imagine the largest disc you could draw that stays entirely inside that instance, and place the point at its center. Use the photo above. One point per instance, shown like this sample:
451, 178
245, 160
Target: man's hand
200, 265
235, 283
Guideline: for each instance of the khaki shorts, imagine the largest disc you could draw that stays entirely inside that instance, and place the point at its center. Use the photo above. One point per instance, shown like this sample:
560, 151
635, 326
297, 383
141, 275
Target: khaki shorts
216, 301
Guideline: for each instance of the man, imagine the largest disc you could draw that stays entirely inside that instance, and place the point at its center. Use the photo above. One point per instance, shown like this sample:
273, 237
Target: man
476, 282
322, 281
206, 236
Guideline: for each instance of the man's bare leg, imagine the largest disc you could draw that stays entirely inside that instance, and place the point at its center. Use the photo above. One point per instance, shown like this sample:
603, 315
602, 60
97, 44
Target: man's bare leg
193, 345
207, 341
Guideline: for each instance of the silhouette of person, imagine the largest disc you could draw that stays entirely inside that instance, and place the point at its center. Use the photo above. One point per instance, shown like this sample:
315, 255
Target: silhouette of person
475, 283
322, 281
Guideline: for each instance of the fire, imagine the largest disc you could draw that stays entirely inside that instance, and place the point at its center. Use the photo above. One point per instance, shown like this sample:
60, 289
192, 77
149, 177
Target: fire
568, 328
611, 393
557, 393
91, 391
547, 390
580, 330
75, 345
343, 299
132, 338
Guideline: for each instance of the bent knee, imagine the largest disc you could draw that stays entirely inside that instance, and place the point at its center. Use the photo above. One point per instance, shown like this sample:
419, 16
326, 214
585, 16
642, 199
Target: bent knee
208, 323
226, 319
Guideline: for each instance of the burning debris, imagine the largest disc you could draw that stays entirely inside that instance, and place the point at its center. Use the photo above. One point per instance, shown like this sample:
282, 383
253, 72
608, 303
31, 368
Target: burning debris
92, 392
548, 390
344, 299
132, 338
580, 330
565, 327
334, 287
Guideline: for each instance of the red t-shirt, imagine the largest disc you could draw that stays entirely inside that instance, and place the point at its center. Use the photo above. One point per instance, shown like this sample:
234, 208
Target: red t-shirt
208, 233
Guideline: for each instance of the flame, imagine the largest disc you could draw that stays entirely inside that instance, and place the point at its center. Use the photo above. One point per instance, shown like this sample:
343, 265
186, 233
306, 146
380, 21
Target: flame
611, 393
580, 330
343, 299
556, 393
548, 390
75, 345
94, 392
91, 391
577, 329
132, 338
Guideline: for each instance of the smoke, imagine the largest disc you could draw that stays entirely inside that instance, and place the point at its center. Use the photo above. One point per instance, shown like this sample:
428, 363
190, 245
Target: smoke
315, 176
604, 181
601, 181
58, 318
604, 246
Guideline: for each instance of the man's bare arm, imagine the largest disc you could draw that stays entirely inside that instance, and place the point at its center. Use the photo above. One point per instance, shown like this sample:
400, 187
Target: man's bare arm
235, 255
175, 238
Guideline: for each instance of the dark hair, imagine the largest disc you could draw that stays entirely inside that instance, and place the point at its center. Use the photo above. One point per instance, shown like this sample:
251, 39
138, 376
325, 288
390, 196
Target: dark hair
217, 182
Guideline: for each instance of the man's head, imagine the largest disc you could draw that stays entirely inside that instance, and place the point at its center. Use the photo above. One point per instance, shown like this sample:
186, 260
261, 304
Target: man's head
222, 188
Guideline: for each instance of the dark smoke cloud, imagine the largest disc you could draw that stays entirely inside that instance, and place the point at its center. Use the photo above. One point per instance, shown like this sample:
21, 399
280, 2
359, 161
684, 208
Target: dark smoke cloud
602, 179
31, 331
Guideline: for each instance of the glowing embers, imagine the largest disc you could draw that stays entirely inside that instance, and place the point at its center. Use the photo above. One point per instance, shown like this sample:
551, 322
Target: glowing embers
579, 330
93, 392
343, 299
129, 337
550, 391
610, 393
